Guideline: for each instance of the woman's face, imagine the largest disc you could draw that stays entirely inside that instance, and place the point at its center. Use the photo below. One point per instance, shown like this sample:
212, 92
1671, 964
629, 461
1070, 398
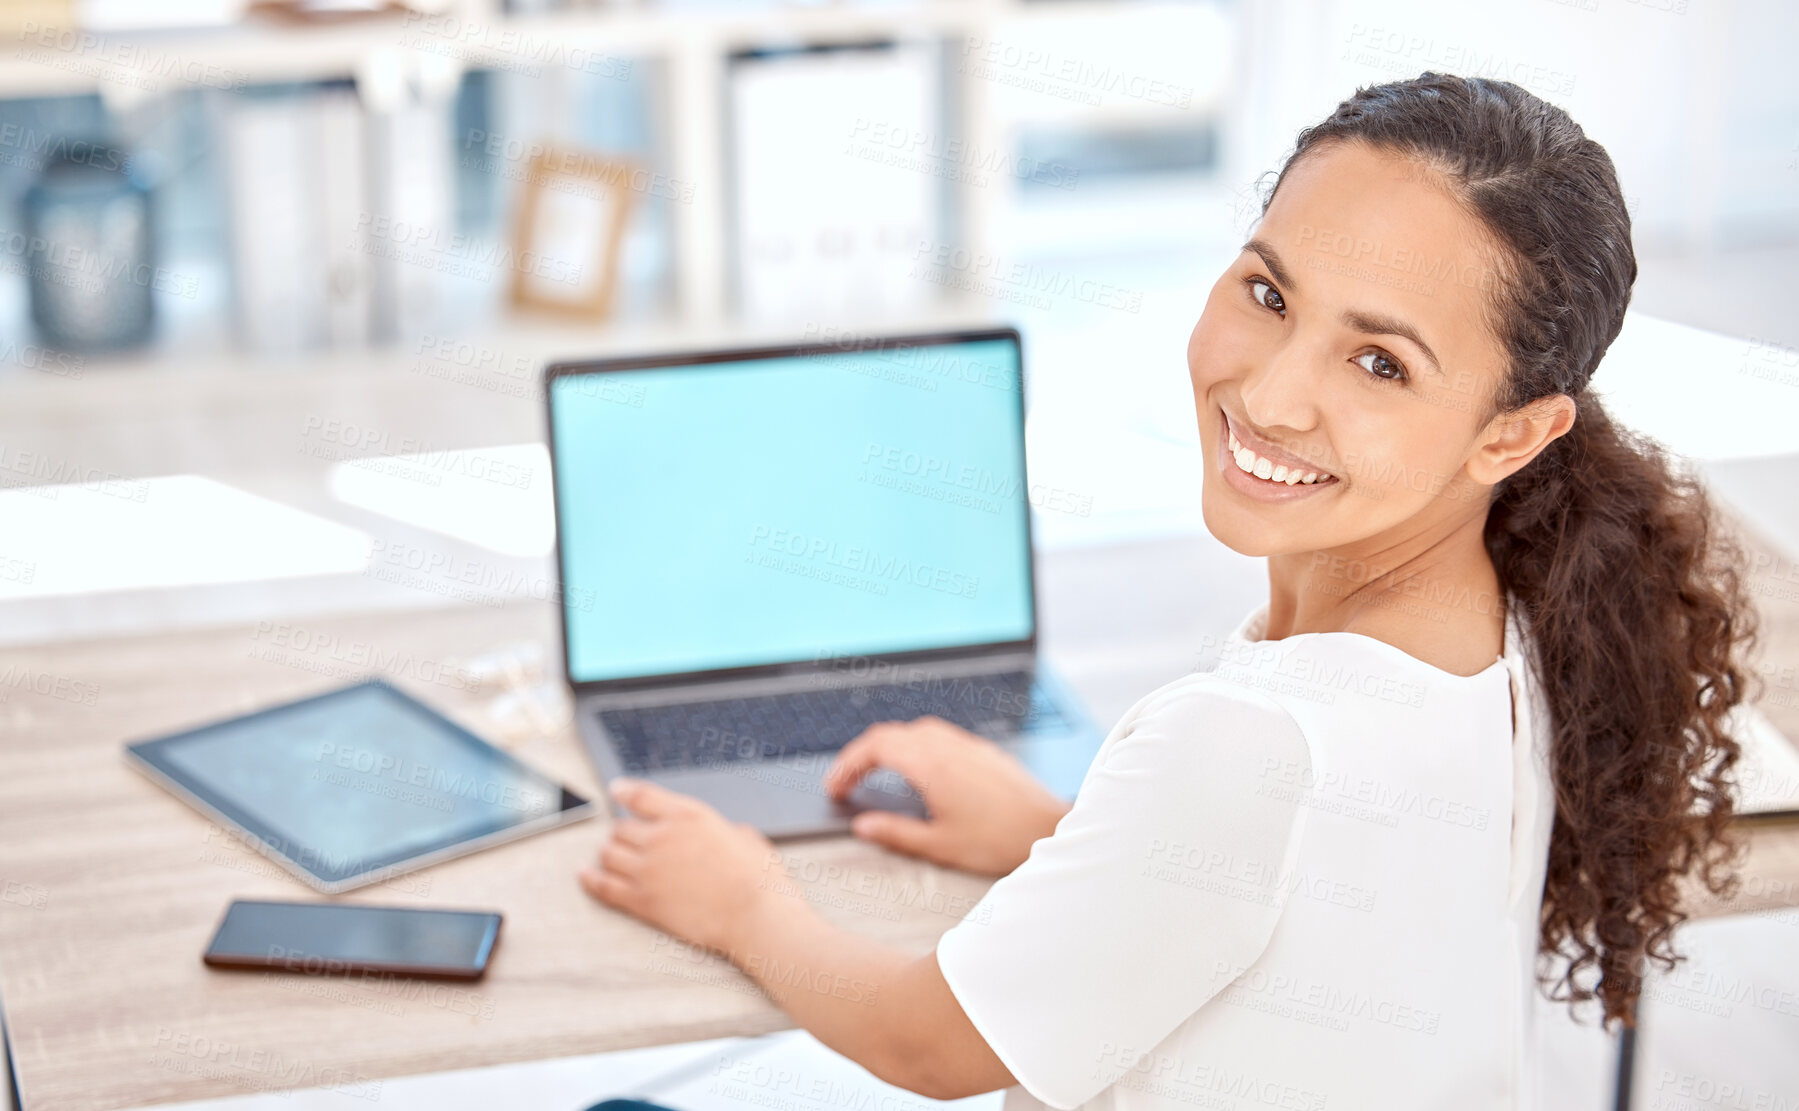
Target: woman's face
1346, 341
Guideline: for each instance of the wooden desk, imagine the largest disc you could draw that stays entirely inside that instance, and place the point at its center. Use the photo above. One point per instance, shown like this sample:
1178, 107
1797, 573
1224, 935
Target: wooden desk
110, 888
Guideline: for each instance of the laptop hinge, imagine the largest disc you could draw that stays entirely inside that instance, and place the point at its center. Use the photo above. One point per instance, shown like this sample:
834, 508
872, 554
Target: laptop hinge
834, 673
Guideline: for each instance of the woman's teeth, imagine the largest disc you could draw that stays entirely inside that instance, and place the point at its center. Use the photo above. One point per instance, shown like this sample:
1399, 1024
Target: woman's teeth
1251, 463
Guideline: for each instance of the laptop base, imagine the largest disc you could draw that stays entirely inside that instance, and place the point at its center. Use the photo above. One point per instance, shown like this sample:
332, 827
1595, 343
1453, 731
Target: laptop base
783, 796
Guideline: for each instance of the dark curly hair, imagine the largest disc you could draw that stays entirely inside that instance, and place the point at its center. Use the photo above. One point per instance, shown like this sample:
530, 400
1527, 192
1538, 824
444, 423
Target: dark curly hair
1631, 588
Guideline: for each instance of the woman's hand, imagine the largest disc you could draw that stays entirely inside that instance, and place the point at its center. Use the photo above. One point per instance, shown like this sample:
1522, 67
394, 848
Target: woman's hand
680, 866
986, 808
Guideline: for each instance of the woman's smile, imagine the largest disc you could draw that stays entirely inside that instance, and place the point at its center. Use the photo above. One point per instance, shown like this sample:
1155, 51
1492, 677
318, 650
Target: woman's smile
1266, 474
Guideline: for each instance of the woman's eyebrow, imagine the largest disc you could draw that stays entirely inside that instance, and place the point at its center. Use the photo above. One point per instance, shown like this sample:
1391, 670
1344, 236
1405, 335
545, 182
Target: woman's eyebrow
1272, 261
1370, 322
1377, 324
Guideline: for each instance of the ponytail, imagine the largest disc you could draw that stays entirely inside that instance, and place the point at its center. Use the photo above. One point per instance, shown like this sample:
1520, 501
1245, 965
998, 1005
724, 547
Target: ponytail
1636, 610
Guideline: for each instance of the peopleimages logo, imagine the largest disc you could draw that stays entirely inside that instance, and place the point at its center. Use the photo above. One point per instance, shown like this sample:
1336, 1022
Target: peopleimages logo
448, 783
963, 484
997, 276
862, 560
123, 61
950, 157
35, 150
80, 267
1400, 259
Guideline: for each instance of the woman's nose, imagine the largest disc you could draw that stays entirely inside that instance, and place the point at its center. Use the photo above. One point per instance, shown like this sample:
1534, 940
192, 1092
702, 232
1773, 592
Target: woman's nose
1282, 391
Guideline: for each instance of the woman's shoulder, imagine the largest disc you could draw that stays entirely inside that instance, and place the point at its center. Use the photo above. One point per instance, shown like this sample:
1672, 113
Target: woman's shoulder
1201, 692
1203, 716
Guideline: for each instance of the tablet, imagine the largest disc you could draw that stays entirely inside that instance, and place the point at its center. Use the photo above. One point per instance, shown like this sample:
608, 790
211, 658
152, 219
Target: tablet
356, 785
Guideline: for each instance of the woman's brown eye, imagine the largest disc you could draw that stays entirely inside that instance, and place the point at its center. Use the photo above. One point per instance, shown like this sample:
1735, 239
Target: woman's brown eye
1381, 366
1267, 295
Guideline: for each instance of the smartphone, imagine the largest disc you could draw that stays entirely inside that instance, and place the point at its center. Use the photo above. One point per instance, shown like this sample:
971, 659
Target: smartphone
346, 937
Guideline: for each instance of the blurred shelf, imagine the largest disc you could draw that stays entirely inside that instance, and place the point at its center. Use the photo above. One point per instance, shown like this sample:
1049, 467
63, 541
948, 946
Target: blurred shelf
262, 50
1079, 64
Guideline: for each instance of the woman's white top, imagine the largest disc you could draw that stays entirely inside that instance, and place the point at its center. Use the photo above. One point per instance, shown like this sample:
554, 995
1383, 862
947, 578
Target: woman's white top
1309, 878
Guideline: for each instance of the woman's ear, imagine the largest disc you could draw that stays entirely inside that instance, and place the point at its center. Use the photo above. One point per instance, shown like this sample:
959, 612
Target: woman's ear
1514, 439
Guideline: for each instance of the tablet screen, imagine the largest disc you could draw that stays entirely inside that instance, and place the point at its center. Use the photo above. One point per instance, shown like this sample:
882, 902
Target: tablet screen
355, 780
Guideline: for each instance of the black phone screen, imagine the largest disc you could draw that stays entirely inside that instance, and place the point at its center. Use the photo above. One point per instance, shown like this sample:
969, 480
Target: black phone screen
342, 937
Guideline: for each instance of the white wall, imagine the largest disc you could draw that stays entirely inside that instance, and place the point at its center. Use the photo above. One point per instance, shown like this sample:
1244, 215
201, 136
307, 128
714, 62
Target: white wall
1698, 105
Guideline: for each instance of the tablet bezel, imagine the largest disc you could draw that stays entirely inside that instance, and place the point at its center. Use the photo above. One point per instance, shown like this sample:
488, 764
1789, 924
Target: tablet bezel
147, 756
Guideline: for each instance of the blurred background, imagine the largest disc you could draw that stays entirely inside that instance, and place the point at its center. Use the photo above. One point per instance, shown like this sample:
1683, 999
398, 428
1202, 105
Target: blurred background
276, 279
200, 196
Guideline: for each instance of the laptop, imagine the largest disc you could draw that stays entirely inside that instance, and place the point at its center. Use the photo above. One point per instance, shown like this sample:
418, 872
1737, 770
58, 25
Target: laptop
763, 551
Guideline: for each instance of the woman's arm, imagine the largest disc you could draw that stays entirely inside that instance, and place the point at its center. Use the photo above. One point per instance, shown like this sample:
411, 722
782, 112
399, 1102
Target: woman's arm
679, 865
890, 1012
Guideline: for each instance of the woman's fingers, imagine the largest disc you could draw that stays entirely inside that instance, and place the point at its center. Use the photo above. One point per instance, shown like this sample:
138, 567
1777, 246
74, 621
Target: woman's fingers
864, 754
903, 747
899, 832
621, 859
613, 890
646, 799
634, 832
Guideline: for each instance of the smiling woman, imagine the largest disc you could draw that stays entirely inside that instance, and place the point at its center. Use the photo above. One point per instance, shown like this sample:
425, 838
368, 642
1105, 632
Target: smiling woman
1439, 269
1466, 750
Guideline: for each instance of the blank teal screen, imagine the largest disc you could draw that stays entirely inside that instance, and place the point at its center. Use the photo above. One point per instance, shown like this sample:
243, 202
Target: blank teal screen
793, 508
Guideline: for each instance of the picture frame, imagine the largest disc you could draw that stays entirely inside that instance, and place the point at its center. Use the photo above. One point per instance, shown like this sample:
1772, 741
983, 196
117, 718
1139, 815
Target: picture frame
570, 218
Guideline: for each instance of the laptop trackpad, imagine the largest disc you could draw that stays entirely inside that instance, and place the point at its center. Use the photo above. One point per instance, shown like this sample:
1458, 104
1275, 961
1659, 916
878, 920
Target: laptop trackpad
787, 798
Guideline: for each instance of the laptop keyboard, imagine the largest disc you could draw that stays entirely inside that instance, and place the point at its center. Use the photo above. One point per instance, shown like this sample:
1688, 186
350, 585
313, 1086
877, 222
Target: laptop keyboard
823, 719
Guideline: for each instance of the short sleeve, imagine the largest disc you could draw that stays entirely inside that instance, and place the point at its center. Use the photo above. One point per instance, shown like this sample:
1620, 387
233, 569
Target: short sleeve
1159, 887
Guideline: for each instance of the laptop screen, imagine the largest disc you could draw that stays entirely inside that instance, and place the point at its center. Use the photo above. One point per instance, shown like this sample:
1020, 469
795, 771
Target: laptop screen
791, 508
